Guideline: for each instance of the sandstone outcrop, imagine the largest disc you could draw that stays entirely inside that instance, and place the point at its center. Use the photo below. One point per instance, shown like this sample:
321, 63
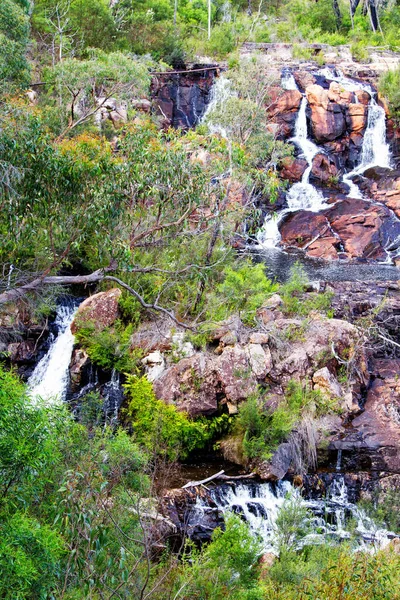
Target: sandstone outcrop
100, 309
353, 227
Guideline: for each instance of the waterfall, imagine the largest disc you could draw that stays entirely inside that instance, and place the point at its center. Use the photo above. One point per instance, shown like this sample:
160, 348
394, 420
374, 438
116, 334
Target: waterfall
288, 82
49, 380
220, 93
113, 396
302, 195
375, 151
259, 505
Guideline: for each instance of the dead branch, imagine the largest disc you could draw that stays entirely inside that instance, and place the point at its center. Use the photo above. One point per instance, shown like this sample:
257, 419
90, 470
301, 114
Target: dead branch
220, 475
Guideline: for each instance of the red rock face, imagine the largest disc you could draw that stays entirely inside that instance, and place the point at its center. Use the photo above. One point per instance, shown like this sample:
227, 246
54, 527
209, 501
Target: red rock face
358, 227
324, 168
327, 118
283, 111
377, 430
293, 168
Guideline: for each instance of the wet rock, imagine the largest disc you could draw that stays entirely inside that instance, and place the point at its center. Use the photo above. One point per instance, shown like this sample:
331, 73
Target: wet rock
339, 95
357, 117
100, 309
324, 168
363, 97
181, 99
327, 119
374, 438
357, 227
311, 231
362, 228
278, 466
179, 506
22, 352
292, 169
283, 111
79, 365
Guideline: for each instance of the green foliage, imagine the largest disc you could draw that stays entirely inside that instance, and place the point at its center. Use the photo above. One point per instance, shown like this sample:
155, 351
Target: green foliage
297, 301
227, 567
26, 443
110, 348
389, 86
30, 556
14, 32
292, 524
264, 429
244, 289
384, 508
158, 426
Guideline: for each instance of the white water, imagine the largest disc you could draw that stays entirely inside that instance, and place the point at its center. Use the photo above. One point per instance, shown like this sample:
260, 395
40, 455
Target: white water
259, 506
220, 93
302, 195
375, 152
48, 382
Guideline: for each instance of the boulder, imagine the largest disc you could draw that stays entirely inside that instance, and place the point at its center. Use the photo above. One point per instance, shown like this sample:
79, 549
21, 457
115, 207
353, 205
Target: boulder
327, 118
192, 385
80, 362
327, 383
338, 94
235, 374
292, 169
357, 117
324, 168
100, 309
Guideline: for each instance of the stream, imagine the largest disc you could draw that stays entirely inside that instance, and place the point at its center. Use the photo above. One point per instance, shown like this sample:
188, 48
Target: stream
334, 516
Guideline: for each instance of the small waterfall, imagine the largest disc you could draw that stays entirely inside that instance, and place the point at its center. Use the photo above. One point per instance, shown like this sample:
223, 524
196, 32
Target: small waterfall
339, 460
302, 195
220, 93
113, 396
288, 82
49, 380
375, 149
259, 505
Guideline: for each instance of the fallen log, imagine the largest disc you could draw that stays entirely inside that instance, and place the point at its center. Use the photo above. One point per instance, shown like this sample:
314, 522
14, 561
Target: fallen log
221, 476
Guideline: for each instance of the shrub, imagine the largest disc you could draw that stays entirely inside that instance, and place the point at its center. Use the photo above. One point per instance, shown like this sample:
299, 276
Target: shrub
159, 426
295, 299
244, 289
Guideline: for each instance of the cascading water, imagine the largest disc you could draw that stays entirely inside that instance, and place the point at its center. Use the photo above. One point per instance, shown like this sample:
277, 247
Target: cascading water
48, 382
259, 505
221, 92
302, 195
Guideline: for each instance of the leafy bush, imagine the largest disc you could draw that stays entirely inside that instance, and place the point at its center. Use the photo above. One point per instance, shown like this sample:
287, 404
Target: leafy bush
244, 289
30, 556
158, 426
110, 348
297, 301
389, 86
264, 429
